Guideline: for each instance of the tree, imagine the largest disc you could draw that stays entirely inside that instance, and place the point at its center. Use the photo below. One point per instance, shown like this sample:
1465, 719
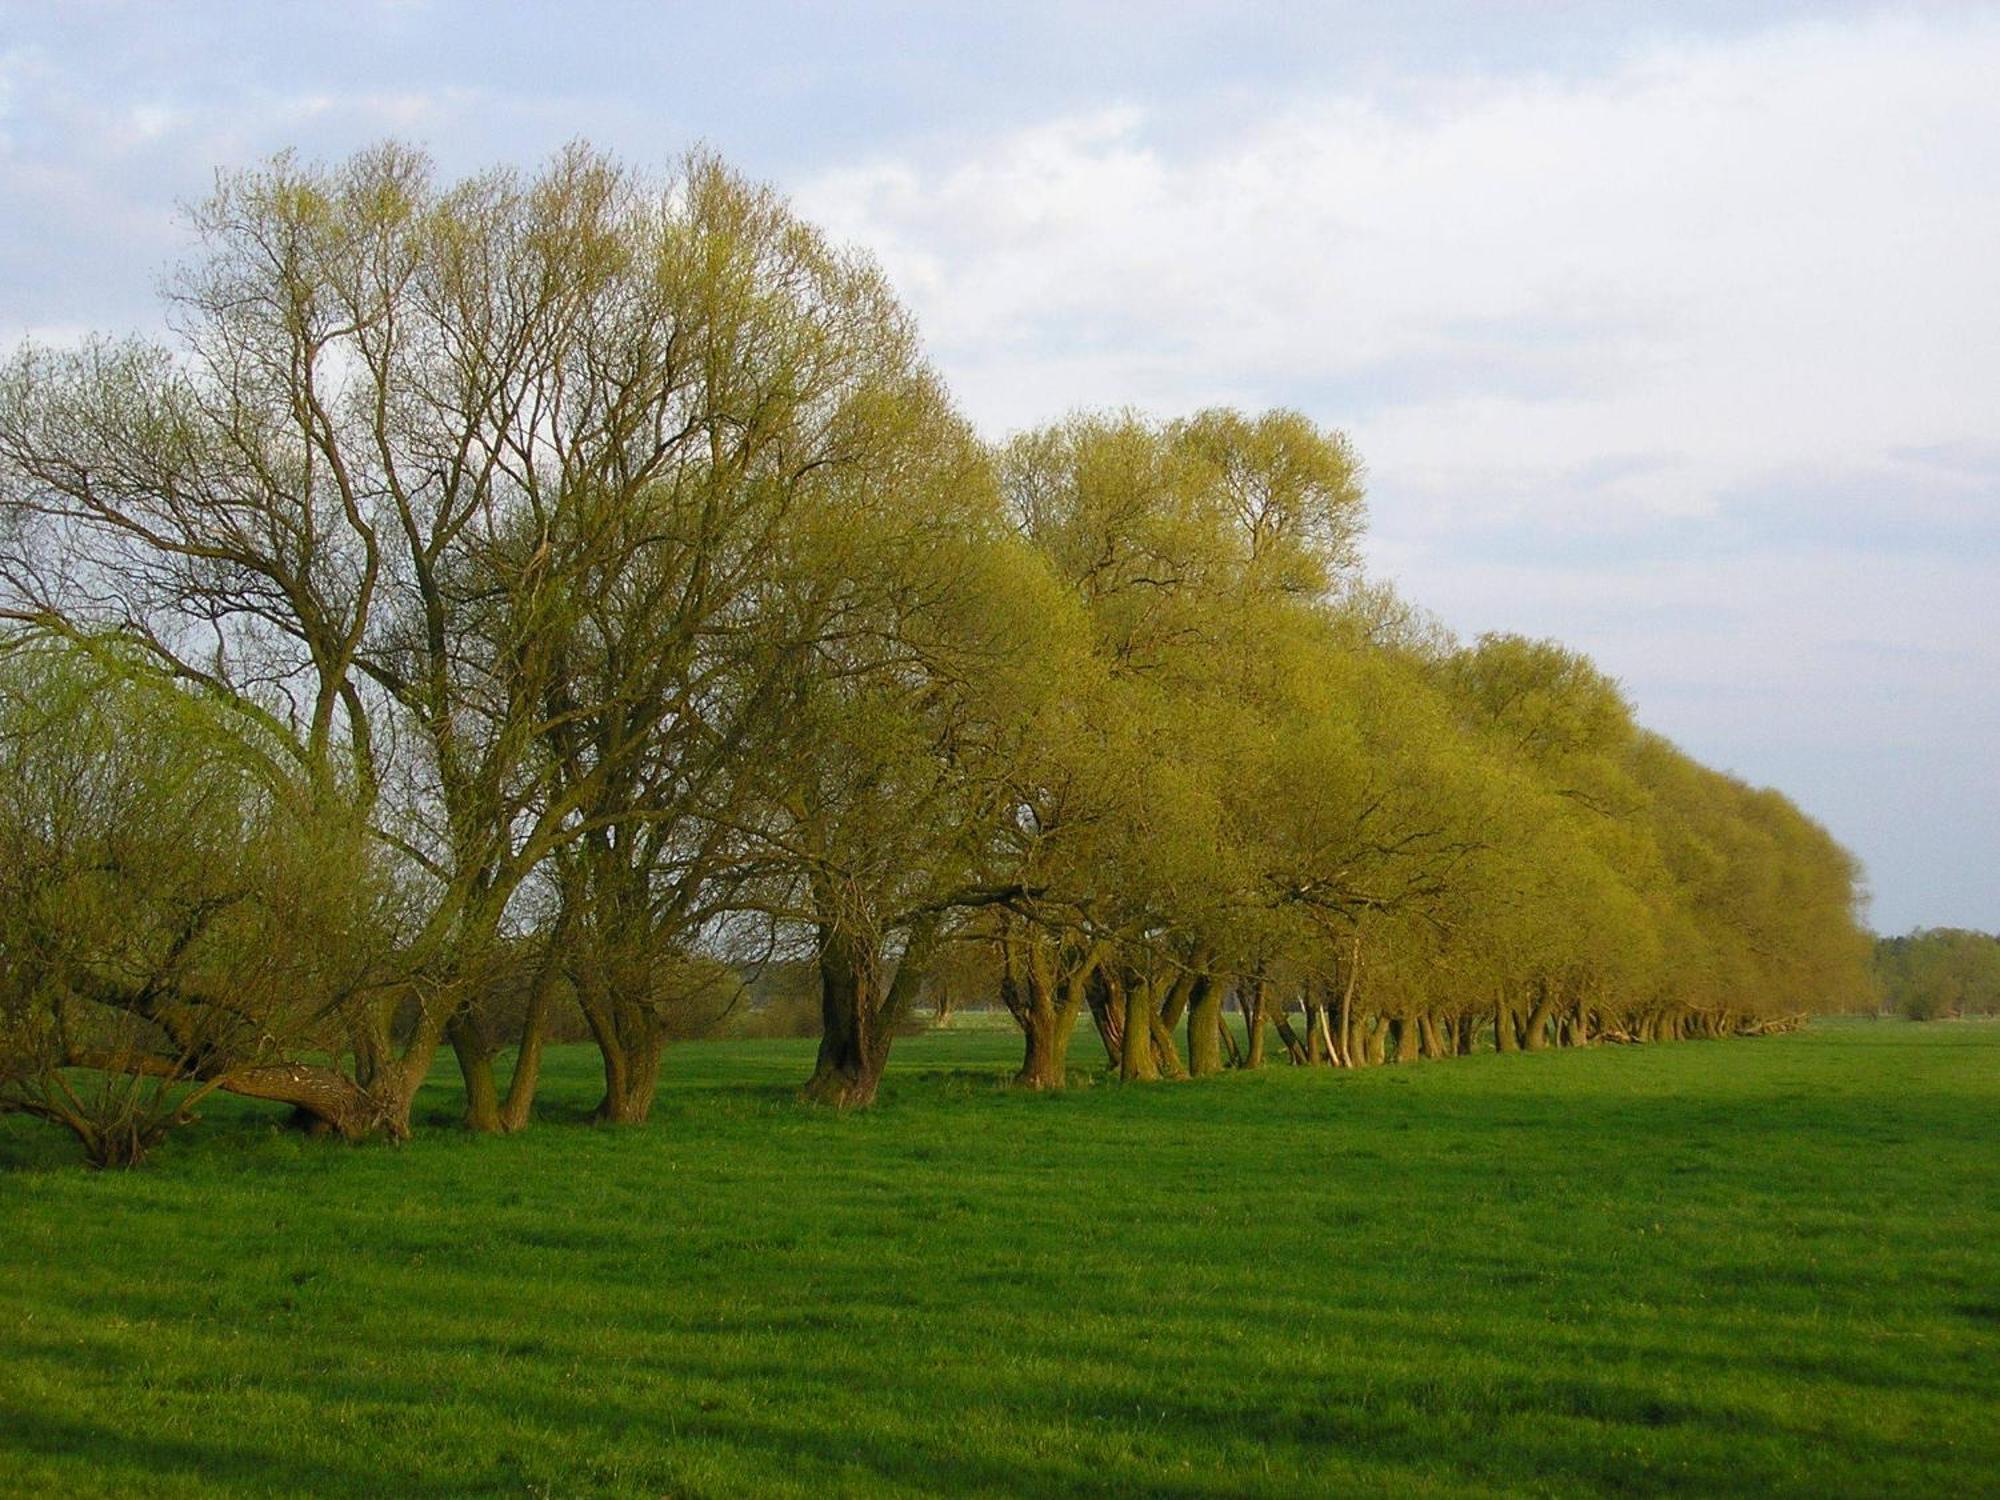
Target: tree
170, 921
1933, 973
926, 685
470, 497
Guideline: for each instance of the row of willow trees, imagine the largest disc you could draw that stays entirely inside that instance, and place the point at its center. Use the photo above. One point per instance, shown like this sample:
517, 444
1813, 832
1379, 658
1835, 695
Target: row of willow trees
551, 594
1939, 973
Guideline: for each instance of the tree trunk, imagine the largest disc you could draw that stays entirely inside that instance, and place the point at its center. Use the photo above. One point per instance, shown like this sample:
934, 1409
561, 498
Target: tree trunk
1535, 1033
1254, 1023
1427, 1034
1232, 1050
1504, 1039
1405, 1033
475, 1065
1375, 1036
1327, 1038
629, 1042
1204, 1028
1046, 1008
1045, 1065
1294, 1048
860, 1015
1344, 1048
518, 1107
1137, 1064
848, 1069
631, 1078
1108, 1016
1165, 1050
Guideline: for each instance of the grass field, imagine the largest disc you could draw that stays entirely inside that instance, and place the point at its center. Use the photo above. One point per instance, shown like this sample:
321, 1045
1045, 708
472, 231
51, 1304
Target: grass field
1766, 1267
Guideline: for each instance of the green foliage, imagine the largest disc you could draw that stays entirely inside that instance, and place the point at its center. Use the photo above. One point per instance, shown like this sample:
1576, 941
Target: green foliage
1939, 972
165, 913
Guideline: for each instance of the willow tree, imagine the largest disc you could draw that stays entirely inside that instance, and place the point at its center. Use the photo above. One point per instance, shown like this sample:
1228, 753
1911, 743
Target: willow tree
303, 505
1385, 805
1762, 902
757, 391
1192, 547
172, 920
916, 637
413, 448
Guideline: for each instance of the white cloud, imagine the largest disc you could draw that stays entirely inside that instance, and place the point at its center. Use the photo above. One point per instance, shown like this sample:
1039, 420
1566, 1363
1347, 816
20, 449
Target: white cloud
1745, 256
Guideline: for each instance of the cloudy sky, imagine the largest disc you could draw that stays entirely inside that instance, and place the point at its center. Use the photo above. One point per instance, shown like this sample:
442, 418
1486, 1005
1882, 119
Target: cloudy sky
1672, 331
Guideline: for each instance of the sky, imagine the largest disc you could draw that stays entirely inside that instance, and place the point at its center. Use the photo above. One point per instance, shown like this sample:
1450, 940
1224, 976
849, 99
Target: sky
1670, 331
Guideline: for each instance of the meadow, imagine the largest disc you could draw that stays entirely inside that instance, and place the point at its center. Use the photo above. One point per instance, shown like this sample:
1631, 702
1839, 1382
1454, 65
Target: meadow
1753, 1266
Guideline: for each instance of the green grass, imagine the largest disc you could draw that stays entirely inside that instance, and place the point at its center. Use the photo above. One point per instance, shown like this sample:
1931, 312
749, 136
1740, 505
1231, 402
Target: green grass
1766, 1267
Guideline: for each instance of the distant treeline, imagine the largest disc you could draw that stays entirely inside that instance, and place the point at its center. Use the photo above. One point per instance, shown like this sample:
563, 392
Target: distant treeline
552, 600
1938, 973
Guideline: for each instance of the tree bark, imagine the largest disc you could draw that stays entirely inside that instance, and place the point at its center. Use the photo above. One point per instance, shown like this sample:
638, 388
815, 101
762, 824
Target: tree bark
1344, 1044
848, 1070
1046, 1005
1137, 1064
1107, 1013
1294, 1048
475, 1065
1535, 1032
1204, 1028
324, 1101
859, 1014
1045, 1064
1254, 1022
1374, 1037
1427, 1035
631, 1080
1403, 1032
1166, 1051
1232, 1050
518, 1107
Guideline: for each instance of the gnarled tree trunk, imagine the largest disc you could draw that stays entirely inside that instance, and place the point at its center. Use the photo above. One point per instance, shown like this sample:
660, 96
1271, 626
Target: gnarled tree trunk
859, 1013
1107, 1014
631, 1079
1403, 1032
475, 1066
1045, 1004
